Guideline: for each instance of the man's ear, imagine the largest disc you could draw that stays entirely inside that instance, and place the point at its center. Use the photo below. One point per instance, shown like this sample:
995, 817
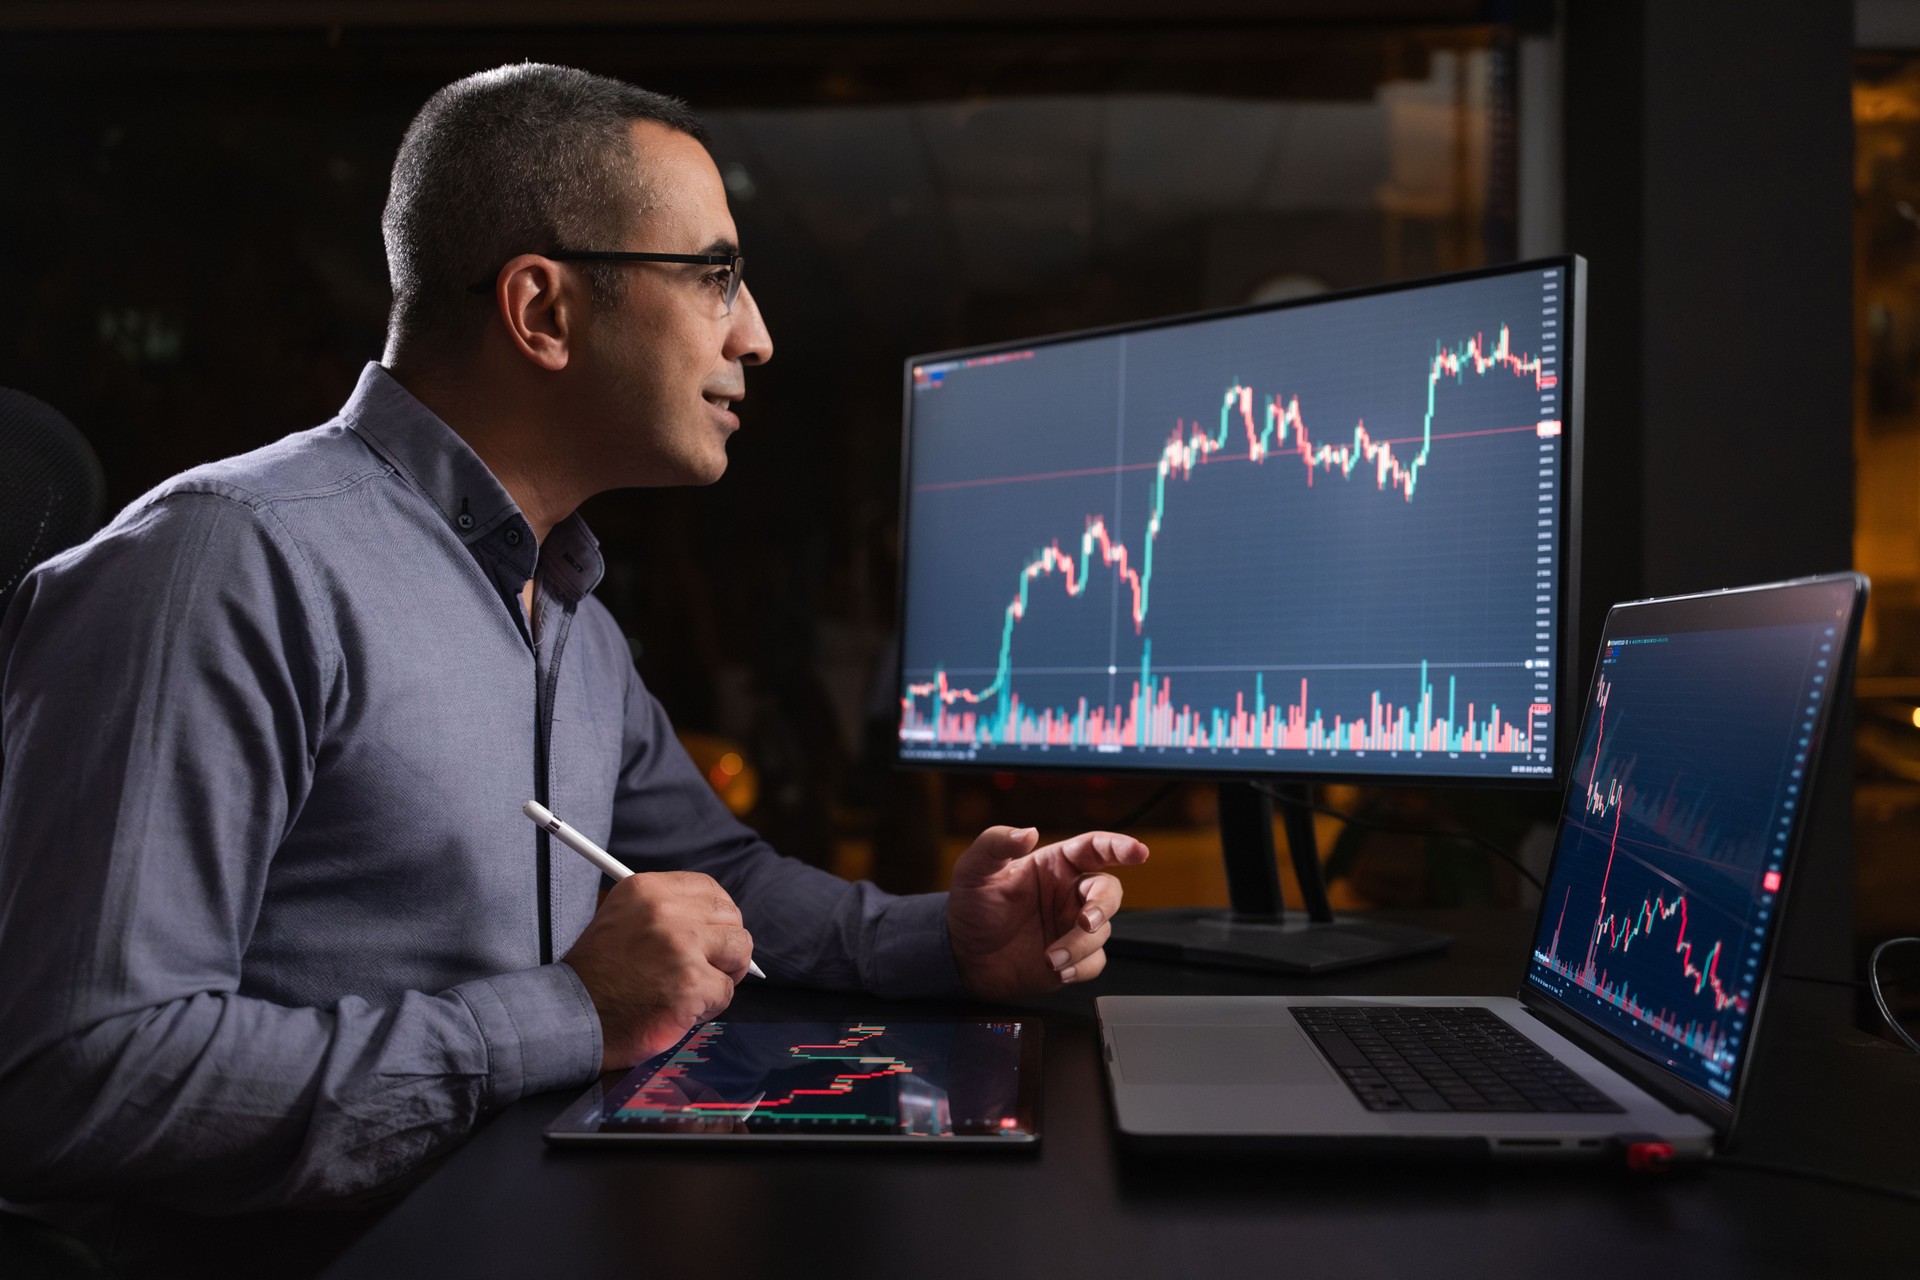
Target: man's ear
539, 304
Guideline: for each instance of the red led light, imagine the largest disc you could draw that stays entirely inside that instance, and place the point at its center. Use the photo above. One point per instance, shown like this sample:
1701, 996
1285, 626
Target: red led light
1771, 882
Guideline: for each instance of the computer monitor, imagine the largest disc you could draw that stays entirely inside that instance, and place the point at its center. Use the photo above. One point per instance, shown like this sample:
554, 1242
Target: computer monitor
1328, 539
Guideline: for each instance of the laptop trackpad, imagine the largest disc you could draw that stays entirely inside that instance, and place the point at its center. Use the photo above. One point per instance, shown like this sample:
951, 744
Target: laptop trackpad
1210, 1055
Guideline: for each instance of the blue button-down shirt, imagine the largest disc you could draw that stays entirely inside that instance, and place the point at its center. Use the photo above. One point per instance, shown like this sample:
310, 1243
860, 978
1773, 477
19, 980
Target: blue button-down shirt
272, 926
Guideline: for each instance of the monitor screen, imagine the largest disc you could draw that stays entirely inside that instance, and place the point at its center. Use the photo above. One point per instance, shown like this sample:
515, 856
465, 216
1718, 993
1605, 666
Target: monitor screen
1675, 844
1322, 538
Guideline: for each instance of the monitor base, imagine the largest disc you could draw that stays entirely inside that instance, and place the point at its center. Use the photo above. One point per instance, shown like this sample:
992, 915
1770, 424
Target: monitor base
1290, 944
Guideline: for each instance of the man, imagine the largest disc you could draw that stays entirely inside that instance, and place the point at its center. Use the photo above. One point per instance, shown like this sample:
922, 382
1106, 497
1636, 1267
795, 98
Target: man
272, 926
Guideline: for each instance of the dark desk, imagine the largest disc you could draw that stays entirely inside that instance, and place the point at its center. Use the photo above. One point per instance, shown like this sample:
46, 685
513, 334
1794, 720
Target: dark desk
507, 1205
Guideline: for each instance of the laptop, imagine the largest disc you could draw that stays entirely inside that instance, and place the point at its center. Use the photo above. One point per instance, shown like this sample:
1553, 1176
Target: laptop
1647, 971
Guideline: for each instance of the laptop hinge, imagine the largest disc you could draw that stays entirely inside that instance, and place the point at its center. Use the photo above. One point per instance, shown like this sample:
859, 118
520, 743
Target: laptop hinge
1648, 1076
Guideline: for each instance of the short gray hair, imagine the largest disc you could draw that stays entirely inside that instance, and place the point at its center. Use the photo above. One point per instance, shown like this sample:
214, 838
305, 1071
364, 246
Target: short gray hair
520, 159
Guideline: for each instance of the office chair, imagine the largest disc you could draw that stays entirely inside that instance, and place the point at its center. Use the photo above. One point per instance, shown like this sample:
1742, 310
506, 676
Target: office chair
51, 487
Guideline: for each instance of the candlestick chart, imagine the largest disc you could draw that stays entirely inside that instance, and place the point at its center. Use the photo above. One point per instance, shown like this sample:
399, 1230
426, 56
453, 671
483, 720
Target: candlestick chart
1689, 774
795, 1076
1125, 549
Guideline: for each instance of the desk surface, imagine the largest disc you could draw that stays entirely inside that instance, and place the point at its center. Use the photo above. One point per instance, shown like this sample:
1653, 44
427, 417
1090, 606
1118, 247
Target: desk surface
506, 1204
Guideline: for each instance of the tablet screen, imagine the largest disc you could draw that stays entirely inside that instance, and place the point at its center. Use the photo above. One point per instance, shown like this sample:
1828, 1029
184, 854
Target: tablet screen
872, 1078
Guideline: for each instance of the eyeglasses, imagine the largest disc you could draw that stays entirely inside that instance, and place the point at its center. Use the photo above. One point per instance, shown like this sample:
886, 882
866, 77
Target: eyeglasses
735, 264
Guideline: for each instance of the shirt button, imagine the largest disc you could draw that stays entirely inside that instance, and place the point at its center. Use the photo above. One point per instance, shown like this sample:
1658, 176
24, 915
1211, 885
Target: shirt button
464, 520
513, 537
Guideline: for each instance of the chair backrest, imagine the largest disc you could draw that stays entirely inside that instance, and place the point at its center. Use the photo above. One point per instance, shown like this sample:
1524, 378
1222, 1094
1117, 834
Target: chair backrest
51, 487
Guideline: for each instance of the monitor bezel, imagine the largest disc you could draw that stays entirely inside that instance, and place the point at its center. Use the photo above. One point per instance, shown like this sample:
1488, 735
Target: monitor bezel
1568, 649
1658, 1080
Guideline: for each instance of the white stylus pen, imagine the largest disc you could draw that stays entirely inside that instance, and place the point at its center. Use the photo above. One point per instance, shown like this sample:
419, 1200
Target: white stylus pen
543, 817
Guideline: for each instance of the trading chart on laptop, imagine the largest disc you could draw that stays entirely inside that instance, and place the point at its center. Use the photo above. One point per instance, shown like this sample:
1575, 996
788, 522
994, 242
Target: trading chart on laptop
1691, 772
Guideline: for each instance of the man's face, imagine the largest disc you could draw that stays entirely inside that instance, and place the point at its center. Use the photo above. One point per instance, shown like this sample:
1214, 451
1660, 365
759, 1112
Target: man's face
667, 363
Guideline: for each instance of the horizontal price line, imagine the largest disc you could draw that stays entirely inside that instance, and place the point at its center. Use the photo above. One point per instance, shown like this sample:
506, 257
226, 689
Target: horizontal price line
1531, 429
1230, 670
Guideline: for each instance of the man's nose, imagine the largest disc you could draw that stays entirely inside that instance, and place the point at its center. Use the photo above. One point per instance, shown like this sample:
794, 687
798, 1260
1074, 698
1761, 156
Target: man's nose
747, 339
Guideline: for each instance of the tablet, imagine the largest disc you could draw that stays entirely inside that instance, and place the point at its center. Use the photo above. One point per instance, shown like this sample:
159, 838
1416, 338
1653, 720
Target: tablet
891, 1080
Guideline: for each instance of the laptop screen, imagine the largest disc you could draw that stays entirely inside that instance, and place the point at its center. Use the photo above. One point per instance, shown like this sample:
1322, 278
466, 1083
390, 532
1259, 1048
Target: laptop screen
1681, 814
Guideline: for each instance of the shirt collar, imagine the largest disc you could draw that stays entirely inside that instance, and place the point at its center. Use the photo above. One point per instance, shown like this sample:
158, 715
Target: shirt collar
450, 475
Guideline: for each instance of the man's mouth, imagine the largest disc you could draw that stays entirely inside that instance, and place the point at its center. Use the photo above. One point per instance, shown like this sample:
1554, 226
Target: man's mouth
722, 405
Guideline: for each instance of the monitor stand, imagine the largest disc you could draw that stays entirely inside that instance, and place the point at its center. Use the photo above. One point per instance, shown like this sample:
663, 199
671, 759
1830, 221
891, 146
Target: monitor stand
1257, 932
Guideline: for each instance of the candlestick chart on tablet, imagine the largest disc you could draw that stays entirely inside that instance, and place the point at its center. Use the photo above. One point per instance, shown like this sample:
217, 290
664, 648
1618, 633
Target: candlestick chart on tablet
794, 1076
1323, 538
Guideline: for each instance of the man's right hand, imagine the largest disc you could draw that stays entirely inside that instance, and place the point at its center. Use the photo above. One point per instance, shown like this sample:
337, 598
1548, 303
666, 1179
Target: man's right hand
660, 956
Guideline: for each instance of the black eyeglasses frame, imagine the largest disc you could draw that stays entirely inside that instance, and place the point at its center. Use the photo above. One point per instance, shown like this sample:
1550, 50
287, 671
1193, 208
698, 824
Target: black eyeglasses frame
736, 263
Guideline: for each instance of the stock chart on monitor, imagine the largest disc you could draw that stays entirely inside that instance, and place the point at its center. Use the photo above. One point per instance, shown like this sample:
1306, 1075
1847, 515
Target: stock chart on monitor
1320, 538
1693, 766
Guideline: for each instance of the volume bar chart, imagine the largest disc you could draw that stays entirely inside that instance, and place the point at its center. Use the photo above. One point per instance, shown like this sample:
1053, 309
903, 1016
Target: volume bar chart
1151, 718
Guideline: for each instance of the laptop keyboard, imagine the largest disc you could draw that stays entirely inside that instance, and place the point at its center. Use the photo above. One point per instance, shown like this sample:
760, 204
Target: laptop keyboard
1431, 1058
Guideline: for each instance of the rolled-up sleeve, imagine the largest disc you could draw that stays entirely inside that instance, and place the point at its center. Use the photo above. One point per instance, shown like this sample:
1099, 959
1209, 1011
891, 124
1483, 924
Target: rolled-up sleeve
164, 694
810, 928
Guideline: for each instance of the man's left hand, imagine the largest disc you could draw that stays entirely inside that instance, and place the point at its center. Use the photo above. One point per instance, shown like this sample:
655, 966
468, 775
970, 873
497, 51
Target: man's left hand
1024, 920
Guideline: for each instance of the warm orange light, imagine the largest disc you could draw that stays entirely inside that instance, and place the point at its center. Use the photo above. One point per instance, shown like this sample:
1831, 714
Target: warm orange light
725, 768
1893, 103
1916, 717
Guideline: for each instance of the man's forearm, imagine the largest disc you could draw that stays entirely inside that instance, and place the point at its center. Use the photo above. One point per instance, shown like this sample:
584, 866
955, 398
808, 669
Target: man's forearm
815, 929
219, 1102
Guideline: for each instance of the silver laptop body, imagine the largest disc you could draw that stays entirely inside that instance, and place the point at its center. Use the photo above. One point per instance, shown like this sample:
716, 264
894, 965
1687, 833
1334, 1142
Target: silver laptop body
1203, 1070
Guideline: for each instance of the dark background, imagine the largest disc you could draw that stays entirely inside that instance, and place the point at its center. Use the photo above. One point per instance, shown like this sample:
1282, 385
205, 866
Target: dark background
189, 246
